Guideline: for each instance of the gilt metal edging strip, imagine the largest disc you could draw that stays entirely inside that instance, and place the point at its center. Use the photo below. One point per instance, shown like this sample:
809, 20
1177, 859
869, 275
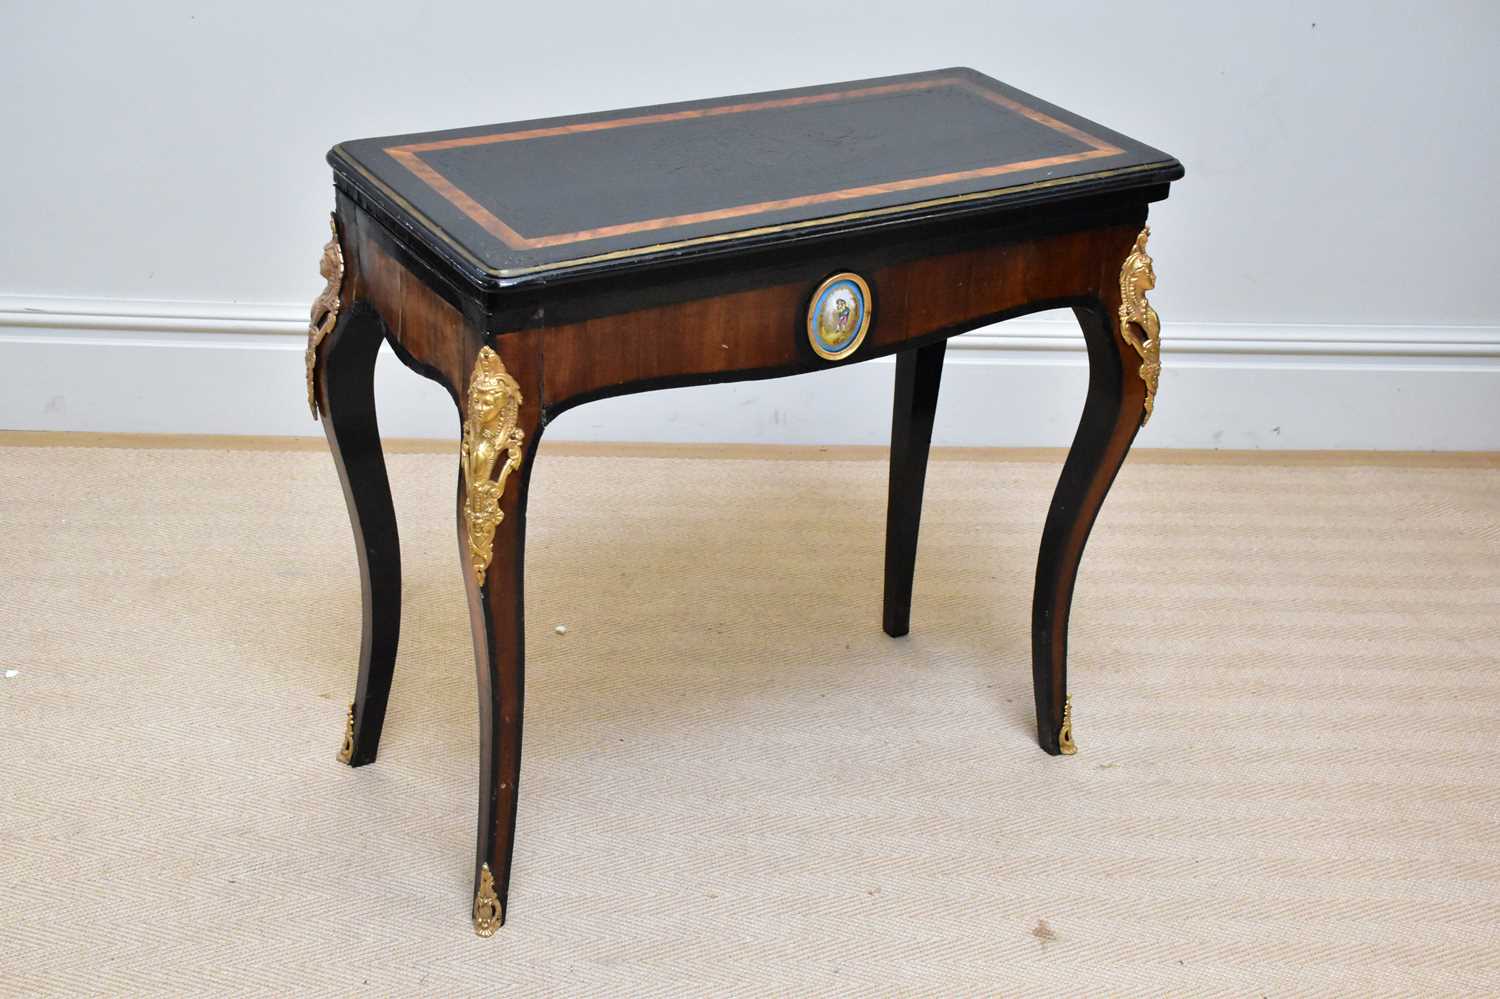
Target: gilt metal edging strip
505, 274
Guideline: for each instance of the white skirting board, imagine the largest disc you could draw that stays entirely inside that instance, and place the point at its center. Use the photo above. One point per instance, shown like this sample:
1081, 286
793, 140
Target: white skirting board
196, 368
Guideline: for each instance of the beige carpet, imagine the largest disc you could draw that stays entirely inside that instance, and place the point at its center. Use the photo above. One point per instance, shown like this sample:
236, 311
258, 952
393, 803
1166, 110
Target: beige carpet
1287, 698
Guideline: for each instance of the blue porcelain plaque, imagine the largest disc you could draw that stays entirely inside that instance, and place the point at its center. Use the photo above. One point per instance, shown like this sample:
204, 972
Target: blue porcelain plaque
839, 316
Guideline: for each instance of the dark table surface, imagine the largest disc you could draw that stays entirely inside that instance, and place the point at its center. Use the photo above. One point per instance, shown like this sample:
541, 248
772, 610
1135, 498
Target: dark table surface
513, 203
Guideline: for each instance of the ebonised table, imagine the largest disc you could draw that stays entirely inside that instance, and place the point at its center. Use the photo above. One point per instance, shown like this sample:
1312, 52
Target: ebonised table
533, 266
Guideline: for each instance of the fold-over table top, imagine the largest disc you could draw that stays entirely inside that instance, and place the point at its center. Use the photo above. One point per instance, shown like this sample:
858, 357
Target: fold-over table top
514, 203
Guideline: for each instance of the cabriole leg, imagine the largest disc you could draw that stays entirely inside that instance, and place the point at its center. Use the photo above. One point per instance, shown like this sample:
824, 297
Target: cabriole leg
1123, 336
501, 429
340, 365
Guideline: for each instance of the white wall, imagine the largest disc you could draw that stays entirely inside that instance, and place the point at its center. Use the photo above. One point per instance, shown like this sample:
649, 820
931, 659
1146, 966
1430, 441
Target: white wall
1325, 266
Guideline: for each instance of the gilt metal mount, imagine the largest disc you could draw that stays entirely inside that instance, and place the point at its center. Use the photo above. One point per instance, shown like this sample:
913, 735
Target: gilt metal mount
1140, 326
491, 439
325, 309
346, 751
1065, 743
488, 912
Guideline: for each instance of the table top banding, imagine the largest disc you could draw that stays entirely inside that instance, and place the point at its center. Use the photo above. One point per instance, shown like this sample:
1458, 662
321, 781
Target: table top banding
544, 200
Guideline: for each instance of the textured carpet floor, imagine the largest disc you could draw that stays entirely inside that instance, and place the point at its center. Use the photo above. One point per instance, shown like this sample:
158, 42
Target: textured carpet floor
1287, 696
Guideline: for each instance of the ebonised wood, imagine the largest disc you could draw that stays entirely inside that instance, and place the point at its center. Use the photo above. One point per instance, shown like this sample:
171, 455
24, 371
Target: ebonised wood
918, 375
346, 390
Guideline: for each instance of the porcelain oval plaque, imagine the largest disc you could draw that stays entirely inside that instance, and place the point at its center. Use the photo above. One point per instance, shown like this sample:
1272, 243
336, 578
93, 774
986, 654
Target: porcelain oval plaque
838, 317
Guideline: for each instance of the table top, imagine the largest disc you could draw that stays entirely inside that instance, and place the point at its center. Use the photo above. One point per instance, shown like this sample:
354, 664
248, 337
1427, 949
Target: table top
542, 200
